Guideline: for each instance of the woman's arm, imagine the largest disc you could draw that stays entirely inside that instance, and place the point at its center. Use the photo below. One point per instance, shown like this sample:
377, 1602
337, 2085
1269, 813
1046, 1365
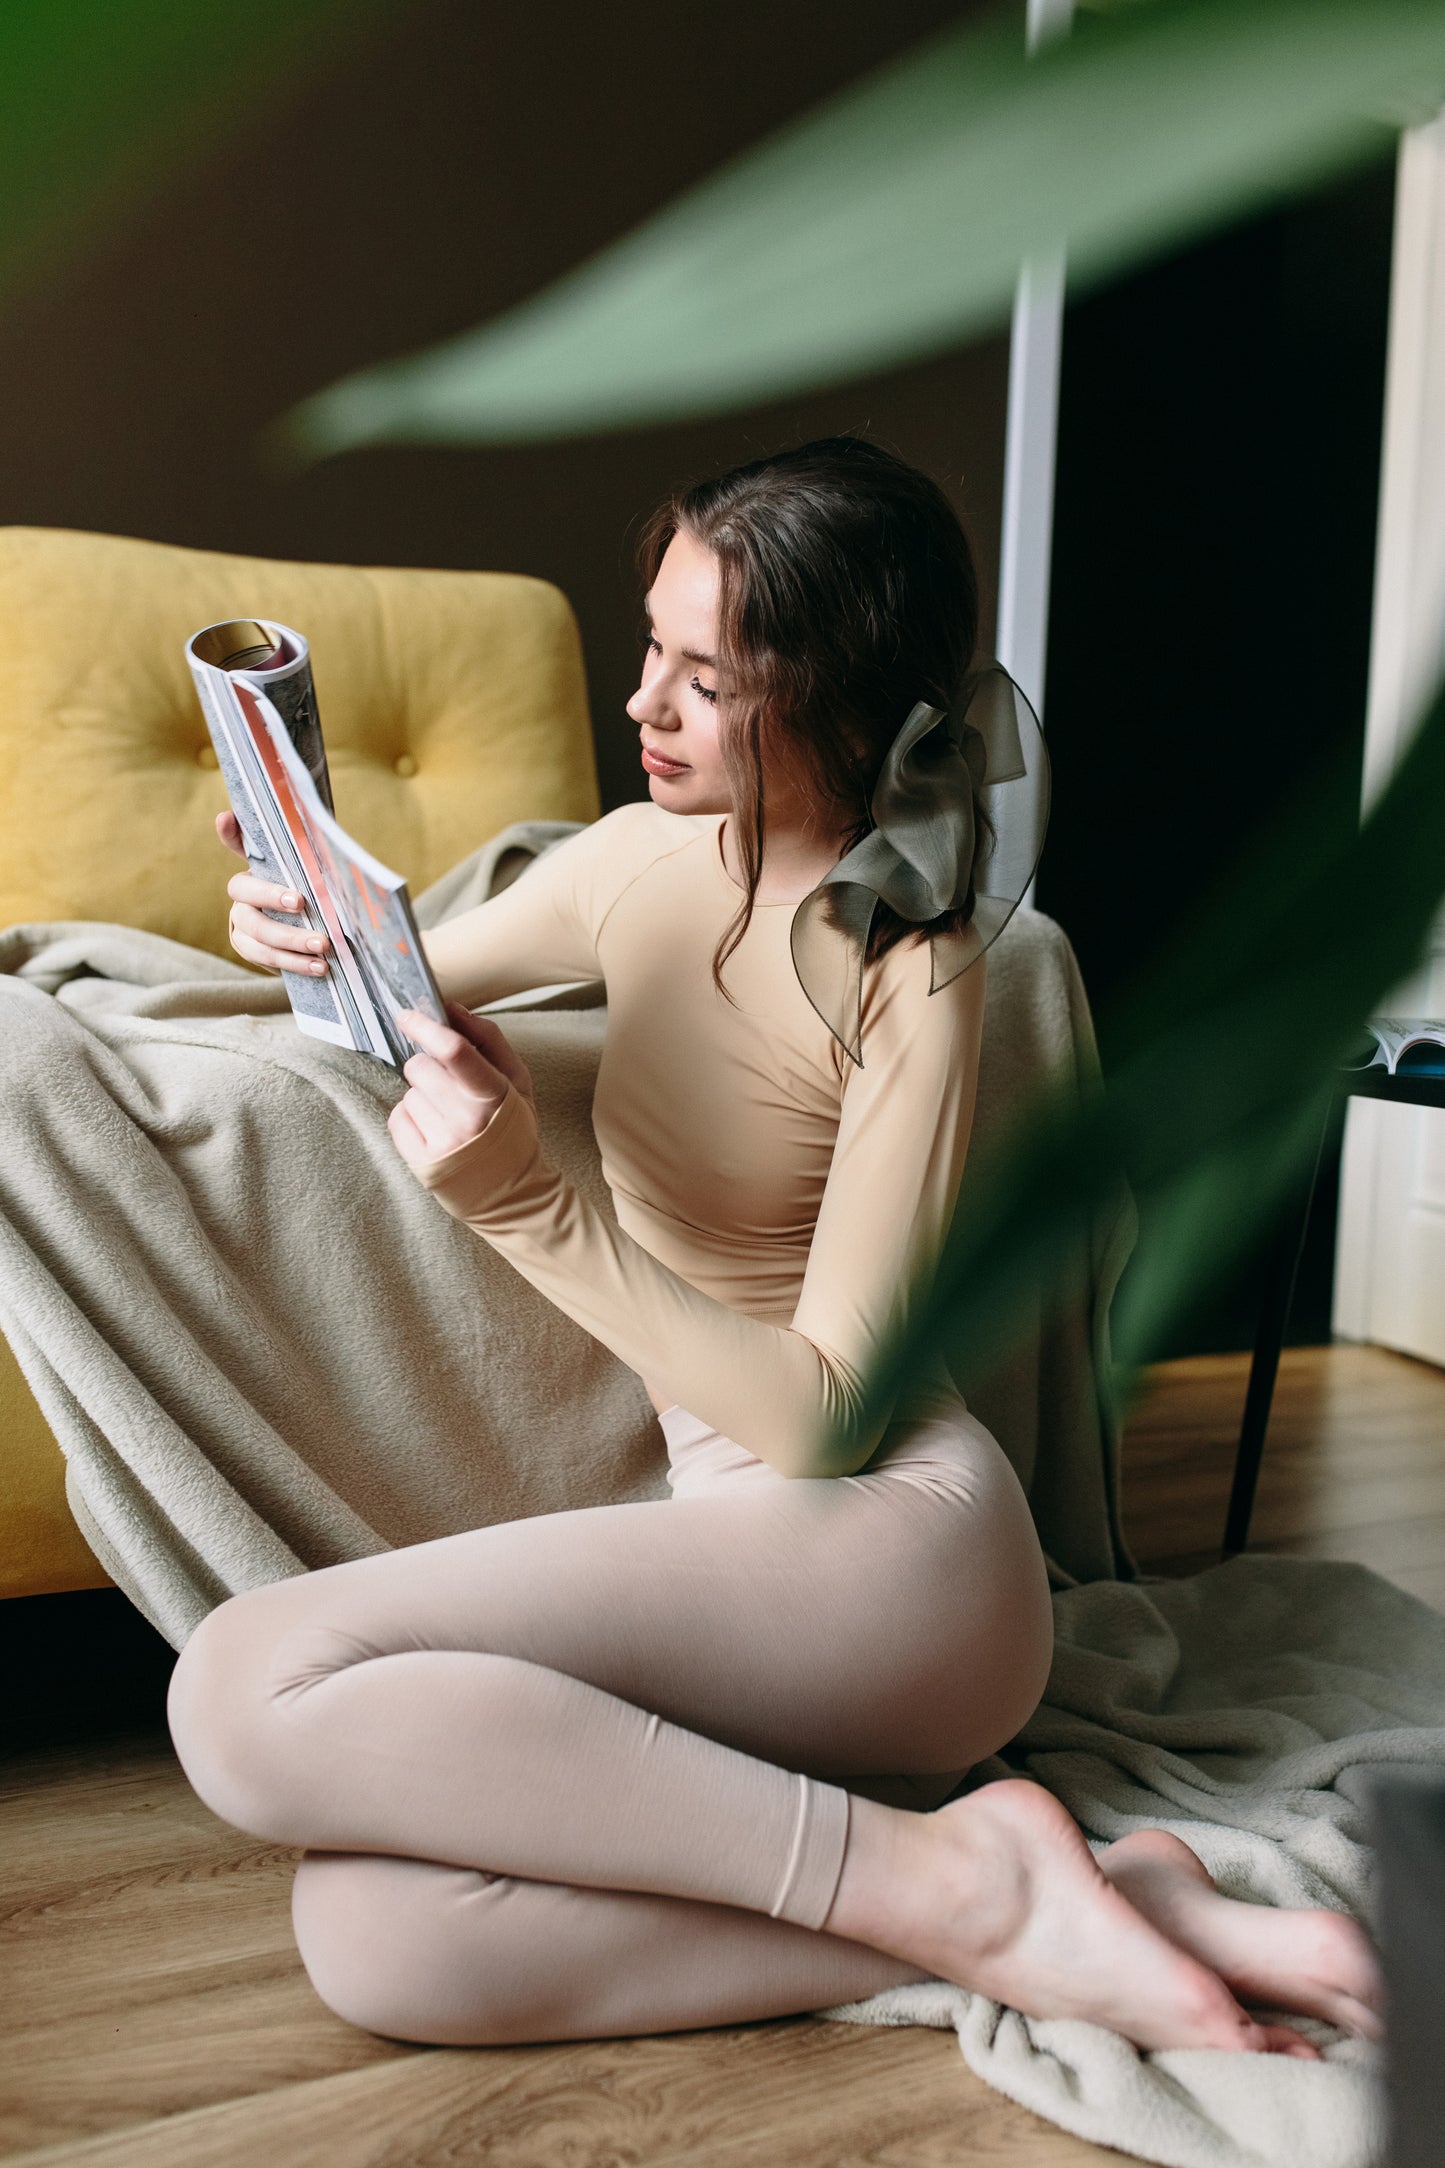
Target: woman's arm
545, 928
540, 930
777, 1390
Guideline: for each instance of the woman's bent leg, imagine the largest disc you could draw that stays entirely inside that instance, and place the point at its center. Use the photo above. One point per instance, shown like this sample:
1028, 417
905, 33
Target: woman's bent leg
605, 1698
450, 1956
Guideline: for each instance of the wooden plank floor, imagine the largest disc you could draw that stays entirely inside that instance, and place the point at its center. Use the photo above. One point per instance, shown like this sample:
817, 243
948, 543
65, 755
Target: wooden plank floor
153, 2013
1354, 1465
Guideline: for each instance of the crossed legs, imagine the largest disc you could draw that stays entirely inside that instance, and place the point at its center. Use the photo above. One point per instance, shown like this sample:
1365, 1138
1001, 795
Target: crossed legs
636, 1769
589, 1773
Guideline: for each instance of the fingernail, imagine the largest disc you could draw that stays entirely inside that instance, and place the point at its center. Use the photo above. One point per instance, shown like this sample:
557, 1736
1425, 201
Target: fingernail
319, 970
291, 903
317, 945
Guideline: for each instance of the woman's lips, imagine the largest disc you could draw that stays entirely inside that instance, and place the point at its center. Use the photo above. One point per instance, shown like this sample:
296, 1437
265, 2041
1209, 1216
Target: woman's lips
656, 765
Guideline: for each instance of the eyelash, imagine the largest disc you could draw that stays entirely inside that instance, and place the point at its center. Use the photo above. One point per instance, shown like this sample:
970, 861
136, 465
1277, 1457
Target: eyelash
651, 641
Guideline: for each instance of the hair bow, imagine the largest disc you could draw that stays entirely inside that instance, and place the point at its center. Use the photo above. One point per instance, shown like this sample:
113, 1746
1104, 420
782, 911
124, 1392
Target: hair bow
928, 851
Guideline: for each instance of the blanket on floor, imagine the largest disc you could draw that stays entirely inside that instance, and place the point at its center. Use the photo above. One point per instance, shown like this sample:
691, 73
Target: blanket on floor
1244, 1709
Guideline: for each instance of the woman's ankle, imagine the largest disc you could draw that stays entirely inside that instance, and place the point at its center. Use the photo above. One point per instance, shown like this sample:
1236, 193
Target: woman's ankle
883, 1890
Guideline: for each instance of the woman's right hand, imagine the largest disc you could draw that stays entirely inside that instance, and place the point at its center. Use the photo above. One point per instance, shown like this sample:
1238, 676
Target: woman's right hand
260, 940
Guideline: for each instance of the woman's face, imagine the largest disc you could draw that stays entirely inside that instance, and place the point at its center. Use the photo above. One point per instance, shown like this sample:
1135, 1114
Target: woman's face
676, 705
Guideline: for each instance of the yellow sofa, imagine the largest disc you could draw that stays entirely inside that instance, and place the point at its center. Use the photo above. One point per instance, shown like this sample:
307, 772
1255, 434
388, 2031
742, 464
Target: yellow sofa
453, 703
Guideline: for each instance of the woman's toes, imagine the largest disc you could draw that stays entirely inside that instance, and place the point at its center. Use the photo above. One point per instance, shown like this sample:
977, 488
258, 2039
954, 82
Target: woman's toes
1284, 2040
1342, 1964
1321, 1964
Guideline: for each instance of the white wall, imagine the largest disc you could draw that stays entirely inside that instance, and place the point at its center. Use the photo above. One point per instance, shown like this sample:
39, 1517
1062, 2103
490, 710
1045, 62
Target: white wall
1390, 1259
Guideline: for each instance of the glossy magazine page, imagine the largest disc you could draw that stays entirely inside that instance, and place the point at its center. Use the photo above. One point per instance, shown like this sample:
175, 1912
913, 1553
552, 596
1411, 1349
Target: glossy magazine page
273, 763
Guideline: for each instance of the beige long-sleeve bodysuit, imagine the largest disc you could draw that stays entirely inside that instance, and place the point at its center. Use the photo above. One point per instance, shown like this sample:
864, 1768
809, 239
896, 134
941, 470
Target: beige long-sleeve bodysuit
589, 1773
778, 1204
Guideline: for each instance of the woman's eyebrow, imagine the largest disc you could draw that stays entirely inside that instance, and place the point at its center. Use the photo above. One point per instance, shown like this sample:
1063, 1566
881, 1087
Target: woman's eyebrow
688, 654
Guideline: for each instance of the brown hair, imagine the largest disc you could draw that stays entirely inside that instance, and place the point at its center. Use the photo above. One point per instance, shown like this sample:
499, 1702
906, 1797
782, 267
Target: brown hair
847, 593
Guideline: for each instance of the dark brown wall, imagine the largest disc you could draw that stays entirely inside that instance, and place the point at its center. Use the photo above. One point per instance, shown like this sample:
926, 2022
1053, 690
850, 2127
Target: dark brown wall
441, 173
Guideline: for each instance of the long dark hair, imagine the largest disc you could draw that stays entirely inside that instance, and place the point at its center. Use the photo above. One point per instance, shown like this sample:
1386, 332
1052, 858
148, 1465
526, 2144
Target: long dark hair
847, 592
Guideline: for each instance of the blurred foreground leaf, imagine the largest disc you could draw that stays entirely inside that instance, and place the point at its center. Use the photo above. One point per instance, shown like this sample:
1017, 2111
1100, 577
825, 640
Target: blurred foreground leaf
100, 99
891, 222
1222, 1071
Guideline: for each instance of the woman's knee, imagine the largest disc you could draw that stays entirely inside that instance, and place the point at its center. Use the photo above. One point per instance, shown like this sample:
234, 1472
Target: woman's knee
980, 1664
229, 1734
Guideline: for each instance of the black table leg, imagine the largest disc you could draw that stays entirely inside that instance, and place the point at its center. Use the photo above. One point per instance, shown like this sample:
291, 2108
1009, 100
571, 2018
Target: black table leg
1280, 1275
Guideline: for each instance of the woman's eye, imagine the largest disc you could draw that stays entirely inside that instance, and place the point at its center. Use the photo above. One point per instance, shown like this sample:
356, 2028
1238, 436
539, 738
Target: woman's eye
709, 693
652, 644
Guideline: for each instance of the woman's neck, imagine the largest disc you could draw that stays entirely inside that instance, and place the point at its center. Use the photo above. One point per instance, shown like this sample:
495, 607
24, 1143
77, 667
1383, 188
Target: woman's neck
795, 859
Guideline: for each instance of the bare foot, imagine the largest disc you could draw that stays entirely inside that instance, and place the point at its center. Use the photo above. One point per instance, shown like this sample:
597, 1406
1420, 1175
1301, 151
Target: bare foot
1000, 1893
1318, 1963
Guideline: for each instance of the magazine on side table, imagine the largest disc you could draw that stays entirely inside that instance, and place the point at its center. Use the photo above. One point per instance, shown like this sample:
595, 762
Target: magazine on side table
1403, 1046
254, 681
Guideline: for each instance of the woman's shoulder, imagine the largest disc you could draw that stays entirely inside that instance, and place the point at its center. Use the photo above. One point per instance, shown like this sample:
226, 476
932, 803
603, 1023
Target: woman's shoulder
643, 830
632, 838
902, 1005
915, 968
599, 863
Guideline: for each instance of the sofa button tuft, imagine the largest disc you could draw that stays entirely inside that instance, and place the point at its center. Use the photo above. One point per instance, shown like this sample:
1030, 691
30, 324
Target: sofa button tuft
405, 764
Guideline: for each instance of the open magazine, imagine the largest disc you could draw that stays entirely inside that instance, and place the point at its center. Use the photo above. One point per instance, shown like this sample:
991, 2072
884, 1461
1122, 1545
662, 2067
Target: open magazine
254, 681
1414, 1044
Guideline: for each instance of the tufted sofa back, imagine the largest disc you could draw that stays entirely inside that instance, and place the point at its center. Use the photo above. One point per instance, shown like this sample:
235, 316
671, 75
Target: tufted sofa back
452, 702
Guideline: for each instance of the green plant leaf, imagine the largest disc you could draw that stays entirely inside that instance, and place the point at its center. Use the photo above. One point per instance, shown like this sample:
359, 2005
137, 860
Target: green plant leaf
101, 99
1223, 1060
891, 222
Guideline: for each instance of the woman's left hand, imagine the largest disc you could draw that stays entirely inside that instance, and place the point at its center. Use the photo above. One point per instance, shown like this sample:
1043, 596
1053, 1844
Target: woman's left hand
458, 1080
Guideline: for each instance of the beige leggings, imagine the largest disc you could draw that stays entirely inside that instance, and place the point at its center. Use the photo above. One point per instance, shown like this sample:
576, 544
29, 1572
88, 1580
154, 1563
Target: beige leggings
588, 1774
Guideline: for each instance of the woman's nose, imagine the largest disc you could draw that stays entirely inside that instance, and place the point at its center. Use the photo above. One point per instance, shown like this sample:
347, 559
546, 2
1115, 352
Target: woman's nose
647, 705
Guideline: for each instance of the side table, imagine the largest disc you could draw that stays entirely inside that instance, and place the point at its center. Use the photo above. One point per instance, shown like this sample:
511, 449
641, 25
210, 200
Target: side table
1415, 1088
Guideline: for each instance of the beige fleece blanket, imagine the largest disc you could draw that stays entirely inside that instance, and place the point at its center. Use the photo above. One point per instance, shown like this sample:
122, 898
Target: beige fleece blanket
1245, 1709
261, 1345
264, 1348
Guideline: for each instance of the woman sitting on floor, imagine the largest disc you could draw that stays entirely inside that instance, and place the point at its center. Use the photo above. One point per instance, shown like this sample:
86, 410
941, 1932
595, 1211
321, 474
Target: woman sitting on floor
651, 1766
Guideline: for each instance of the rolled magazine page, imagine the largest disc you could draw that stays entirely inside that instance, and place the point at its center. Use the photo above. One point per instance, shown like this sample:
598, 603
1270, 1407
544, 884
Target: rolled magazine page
278, 663
314, 1001
273, 763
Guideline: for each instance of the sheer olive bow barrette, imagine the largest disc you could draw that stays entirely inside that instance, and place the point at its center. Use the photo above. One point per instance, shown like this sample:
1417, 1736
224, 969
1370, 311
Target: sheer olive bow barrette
928, 850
